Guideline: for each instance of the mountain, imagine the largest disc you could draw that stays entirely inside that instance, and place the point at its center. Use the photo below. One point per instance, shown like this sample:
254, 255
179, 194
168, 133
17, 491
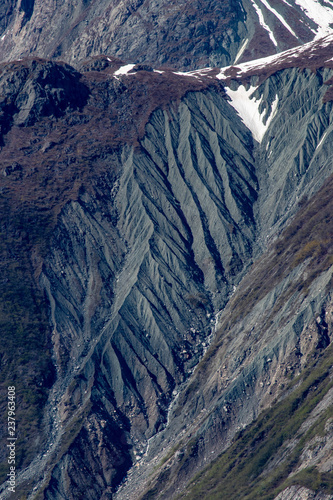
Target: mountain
179, 34
166, 249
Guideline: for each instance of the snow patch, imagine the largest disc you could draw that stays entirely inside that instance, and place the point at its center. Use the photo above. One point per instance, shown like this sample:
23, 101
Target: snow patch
123, 70
261, 63
202, 71
322, 140
280, 18
194, 74
241, 50
247, 107
320, 14
288, 3
263, 24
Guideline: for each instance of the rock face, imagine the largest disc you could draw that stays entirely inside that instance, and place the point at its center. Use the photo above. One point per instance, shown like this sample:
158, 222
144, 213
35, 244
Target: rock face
299, 493
139, 31
267, 335
137, 302
30, 94
182, 34
167, 265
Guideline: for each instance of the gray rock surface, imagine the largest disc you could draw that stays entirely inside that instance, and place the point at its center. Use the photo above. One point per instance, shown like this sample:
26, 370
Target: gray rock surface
298, 139
245, 376
155, 32
147, 268
183, 34
301, 493
132, 302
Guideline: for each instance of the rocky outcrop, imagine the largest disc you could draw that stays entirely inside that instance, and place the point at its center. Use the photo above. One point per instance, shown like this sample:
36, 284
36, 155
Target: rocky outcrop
301, 493
37, 89
157, 33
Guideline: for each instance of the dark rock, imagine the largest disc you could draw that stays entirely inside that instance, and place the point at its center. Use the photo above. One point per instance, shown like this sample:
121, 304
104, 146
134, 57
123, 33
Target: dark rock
38, 89
15, 167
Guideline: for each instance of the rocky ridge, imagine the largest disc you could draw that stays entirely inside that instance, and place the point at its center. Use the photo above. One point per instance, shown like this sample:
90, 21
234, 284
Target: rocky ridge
184, 35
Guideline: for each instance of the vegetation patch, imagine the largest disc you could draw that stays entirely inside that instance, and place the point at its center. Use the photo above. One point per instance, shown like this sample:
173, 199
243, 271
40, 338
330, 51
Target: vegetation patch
170, 454
249, 469
24, 331
314, 480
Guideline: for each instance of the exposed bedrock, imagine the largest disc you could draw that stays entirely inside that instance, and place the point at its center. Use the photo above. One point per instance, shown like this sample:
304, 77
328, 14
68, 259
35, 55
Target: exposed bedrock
184, 34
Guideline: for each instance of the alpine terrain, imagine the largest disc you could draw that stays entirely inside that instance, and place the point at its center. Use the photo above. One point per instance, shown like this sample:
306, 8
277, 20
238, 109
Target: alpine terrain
166, 244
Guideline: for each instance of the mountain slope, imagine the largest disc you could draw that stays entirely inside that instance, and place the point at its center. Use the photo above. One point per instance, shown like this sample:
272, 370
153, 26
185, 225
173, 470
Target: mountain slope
225, 391
139, 264
182, 34
272, 352
142, 210
148, 240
